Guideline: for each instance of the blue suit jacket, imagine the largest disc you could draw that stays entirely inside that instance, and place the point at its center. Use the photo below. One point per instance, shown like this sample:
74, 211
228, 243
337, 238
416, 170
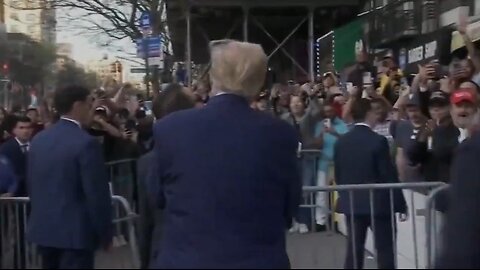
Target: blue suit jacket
462, 227
18, 160
68, 184
8, 179
230, 185
361, 156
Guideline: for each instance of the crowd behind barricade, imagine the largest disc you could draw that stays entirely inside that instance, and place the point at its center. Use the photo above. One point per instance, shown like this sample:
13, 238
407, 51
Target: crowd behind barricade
423, 117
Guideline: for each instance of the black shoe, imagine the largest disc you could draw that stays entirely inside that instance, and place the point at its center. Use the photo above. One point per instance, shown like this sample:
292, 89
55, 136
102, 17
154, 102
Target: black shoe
320, 228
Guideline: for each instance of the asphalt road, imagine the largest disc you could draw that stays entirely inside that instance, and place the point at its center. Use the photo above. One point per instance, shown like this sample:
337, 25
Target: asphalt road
308, 251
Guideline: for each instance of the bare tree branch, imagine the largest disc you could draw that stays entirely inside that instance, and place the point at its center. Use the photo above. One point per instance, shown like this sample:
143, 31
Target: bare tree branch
116, 19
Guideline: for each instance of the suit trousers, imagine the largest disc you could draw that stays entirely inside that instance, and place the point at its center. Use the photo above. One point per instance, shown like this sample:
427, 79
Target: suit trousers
55, 258
383, 235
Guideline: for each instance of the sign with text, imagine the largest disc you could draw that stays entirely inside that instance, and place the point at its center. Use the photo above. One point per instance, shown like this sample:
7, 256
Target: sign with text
422, 52
152, 46
145, 23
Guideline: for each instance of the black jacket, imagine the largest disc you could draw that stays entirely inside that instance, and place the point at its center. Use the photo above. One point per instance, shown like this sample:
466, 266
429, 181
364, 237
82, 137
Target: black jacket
363, 157
435, 163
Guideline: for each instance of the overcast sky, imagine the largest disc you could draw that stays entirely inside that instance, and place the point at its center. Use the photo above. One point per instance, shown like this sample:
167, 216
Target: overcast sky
87, 47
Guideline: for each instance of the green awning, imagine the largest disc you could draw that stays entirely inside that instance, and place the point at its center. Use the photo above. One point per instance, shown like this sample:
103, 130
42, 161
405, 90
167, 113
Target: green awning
345, 38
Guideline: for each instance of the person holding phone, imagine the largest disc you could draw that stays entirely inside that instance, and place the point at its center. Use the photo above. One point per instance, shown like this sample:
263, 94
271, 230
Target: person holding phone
304, 119
330, 129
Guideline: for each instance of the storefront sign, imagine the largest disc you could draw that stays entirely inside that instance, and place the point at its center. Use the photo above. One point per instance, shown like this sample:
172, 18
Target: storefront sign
402, 58
427, 47
422, 52
415, 54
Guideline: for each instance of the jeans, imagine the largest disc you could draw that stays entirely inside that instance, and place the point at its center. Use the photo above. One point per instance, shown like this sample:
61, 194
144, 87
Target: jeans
321, 200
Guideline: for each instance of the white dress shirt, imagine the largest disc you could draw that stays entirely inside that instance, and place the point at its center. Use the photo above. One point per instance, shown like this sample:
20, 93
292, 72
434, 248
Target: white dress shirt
463, 134
25, 147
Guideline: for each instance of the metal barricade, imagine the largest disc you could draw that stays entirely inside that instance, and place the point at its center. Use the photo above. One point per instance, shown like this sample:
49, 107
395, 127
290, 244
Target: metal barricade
18, 253
122, 178
373, 206
433, 228
309, 164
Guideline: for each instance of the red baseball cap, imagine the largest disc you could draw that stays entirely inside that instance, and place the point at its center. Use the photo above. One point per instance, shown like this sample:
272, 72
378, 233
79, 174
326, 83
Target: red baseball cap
463, 94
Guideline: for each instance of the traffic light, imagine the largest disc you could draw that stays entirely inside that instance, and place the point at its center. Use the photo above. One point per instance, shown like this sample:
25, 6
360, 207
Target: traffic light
5, 69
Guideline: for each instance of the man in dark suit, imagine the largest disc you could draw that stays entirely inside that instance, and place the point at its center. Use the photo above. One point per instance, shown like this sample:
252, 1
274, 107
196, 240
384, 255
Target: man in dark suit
16, 149
229, 180
8, 179
71, 212
461, 248
363, 157
150, 223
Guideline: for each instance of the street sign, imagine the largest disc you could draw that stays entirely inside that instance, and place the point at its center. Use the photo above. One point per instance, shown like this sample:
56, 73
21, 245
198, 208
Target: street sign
153, 45
142, 70
145, 24
156, 61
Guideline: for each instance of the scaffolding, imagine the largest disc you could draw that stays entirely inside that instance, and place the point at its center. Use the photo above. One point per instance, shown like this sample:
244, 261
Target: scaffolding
308, 7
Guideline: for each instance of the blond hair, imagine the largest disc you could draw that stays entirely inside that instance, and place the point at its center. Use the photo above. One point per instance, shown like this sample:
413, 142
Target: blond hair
237, 67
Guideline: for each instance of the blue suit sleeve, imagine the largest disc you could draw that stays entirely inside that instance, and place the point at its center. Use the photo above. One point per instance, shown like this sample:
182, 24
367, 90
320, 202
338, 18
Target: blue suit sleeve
154, 183
161, 162
96, 189
336, 163
462, 229
8, 179
291, 170
388, 174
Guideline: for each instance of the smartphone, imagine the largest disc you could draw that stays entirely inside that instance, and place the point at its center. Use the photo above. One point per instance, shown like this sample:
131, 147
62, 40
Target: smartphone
327, 123
367, 78
349, 87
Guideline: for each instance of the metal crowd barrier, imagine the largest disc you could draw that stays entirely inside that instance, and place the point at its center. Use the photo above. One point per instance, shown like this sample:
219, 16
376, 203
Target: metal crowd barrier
434, 230
372, 195
122, 178
18, 253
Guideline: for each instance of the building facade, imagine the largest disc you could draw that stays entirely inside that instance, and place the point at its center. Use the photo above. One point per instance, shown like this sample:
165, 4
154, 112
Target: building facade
34, 18
107, 68
64, 55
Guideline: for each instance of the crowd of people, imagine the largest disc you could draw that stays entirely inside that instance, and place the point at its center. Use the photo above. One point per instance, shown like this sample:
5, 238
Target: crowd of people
225, 169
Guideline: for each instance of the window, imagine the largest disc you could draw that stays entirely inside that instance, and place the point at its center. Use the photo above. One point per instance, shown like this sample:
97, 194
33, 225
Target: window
31, 29
31, 17
30, 4
14, 16
14, 28
15, 4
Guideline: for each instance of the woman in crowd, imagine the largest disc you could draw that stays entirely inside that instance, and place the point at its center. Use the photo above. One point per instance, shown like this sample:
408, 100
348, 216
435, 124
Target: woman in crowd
304, 118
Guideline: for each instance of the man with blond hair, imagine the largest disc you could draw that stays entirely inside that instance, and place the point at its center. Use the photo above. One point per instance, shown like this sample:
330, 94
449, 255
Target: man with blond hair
227, 175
